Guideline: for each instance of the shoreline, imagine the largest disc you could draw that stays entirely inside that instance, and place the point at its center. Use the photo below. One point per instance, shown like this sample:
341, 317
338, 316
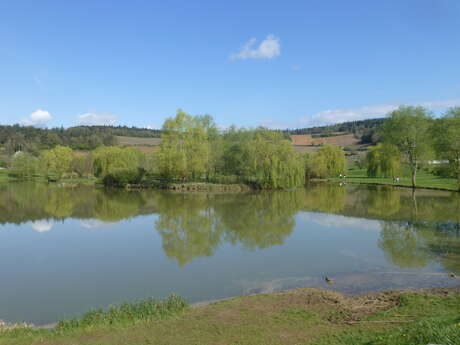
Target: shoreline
333, 287
350, 181
317, 316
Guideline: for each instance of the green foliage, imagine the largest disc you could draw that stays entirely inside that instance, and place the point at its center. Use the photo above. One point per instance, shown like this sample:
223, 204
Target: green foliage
123, 177
109, 159
57, 160
408, 128
82, 165
383, 160
193, 150
23, 165
328, 161
271, 161
359, 127
446, 134
149, 309
185, 148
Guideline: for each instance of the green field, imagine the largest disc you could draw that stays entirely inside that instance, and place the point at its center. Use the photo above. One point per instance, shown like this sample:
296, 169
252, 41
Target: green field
303, 316
424, 180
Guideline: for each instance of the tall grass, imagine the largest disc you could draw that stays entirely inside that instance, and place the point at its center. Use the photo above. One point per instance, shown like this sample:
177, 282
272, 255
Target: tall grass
149, 309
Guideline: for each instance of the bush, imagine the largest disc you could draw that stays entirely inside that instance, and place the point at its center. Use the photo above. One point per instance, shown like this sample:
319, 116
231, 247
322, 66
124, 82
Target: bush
123, 177
23, 165
443, 170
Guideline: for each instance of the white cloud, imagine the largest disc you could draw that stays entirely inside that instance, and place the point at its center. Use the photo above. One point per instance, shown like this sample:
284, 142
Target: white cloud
42, 225
95, 224
37, 118
269, 48
339, 221
440, 104
332, 116
94, 119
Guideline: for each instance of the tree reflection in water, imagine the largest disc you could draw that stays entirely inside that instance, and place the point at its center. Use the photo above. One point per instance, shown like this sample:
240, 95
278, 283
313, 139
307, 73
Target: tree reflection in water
417, 228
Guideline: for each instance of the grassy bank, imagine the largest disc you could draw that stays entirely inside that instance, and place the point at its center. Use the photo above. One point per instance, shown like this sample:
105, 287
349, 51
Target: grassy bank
5, 179
424, 180
303, 316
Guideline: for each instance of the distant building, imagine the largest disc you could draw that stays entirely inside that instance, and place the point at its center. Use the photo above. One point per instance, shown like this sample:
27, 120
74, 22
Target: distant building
437, 162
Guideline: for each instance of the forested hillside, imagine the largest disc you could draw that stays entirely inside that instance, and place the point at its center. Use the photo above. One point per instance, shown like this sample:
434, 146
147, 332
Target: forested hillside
32, 139
345, 127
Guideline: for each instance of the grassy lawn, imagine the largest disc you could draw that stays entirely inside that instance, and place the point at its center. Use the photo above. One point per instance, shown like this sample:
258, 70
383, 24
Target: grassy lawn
5, 179
424, 180
4, 176
303, 316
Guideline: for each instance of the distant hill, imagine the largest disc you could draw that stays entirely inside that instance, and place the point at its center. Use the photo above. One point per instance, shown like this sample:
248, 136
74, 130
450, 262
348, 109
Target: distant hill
32, 139
345, 127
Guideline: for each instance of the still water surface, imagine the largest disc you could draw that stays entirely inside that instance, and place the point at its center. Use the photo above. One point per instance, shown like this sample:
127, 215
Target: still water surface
64, 250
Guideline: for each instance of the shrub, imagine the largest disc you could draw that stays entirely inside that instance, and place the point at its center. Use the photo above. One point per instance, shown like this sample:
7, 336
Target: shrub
123, 177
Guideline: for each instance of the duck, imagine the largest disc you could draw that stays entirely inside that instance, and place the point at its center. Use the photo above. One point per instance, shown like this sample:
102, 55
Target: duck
452, 275
328, 280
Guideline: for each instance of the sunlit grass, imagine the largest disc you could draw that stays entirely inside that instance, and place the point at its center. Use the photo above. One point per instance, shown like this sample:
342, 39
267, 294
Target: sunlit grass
424, 180
149, 309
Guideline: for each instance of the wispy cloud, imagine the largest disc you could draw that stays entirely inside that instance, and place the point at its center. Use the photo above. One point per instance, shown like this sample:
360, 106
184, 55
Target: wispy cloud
95, 119
343, 115
39, 117
332, 116
269, 48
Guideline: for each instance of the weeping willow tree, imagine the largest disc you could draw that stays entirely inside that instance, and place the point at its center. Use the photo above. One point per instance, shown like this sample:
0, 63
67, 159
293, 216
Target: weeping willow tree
328, 161
383, 160
185, 147
56, 160
111, 159
272, 162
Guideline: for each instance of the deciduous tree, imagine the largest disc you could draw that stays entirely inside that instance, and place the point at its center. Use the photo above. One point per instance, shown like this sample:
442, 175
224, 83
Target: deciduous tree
409, 129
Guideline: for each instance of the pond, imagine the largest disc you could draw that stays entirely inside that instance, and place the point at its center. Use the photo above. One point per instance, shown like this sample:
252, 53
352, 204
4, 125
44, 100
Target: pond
67, 249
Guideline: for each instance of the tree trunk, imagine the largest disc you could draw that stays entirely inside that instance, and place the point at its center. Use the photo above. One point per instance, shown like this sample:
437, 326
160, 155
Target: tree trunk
458, 175
414, 203
414, 174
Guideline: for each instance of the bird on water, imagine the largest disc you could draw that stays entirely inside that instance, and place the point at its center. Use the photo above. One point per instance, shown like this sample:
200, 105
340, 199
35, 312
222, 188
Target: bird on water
328, 280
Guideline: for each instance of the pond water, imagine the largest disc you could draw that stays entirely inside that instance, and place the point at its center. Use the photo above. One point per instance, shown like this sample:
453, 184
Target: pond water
65, 250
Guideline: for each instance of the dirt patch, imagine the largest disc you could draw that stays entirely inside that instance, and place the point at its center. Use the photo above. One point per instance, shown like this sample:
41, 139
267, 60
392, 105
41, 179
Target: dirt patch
337, 140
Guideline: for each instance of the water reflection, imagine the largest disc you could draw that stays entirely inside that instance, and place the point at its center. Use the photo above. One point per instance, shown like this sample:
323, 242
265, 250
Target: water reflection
42, 225
415, 228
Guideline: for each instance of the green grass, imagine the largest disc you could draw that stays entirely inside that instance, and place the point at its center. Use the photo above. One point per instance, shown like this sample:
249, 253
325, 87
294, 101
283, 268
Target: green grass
424, 180
304, 316
425, 320
4, 178
149, 309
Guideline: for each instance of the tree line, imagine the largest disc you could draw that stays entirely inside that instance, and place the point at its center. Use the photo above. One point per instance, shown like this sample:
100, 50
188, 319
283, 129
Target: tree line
413, 137
32, 139
192, 149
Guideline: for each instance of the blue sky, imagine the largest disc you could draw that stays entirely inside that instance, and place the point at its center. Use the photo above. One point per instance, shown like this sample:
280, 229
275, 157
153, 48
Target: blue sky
274, 63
